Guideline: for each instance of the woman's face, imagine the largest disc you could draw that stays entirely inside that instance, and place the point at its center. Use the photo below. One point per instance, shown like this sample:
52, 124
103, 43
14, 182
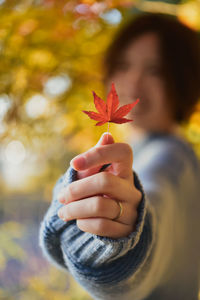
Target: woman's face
138, 75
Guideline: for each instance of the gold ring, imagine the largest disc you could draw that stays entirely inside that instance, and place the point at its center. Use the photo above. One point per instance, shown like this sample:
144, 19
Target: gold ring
120, 211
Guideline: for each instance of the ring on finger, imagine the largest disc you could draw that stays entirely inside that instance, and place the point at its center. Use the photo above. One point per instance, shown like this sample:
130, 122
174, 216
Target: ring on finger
120, 211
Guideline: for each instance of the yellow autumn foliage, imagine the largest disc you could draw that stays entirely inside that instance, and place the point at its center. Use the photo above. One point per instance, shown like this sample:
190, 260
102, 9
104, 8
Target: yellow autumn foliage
50, 62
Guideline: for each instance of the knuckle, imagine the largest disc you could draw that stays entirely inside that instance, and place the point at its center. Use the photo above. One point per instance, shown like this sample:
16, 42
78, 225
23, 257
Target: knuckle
98, 205
127, 150
70, 191
68, 212
99, 153
105, 182
138, 197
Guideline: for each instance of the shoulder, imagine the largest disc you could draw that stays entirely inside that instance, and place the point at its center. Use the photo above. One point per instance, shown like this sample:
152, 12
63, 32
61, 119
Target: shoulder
168, 149
178, 150
167, 155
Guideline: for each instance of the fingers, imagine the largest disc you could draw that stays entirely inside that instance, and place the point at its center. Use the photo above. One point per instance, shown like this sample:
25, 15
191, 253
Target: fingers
97, 215
105, 139
100, 184
93, 200
105, 227
98, 207
119, 153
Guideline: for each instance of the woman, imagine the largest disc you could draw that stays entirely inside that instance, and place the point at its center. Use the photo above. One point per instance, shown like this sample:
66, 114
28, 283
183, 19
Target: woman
127, 234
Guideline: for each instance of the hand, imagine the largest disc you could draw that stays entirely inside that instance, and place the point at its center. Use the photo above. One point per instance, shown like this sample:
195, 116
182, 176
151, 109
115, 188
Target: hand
93, 199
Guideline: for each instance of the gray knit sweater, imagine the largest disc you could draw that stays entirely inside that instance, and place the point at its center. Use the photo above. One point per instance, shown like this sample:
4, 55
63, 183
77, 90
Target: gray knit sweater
159, 260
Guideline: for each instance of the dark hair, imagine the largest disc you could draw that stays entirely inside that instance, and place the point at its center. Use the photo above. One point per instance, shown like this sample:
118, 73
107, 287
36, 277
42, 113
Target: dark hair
180, 55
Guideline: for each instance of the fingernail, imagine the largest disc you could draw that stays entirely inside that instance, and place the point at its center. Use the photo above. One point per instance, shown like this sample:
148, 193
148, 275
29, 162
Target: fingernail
106, 138
101, 138
61, 197
61, 215
106, 133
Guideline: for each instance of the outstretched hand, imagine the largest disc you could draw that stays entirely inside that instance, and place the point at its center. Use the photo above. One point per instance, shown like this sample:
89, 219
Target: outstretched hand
94, 199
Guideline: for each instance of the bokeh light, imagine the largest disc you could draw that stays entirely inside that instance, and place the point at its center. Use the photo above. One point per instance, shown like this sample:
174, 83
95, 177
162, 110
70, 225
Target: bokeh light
189, 13
36, 106
82, 8
5, 104
15, 152
2, 127
112, 16
57, 85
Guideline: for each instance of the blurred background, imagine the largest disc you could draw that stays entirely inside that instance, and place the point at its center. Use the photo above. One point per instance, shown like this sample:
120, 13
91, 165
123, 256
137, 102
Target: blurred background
50, 62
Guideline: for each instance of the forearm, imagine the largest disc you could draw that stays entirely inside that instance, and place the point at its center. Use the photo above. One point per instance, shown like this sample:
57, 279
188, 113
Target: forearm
98, 263
104, 267
52, 226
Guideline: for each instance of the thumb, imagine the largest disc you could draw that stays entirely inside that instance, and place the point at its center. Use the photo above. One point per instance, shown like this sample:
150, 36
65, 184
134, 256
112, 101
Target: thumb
105, 139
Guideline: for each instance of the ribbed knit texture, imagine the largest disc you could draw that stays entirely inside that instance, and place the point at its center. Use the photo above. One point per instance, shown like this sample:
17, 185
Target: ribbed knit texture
149, 263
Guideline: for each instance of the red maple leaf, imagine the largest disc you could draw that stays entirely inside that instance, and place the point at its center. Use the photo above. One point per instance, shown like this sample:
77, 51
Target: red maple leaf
109, 111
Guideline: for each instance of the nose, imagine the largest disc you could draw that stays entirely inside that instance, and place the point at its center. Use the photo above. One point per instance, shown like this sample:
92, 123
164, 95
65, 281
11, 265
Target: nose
134, 82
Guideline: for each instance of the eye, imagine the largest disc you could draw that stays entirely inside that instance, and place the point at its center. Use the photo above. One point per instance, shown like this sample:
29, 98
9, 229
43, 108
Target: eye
154, 71
121, 66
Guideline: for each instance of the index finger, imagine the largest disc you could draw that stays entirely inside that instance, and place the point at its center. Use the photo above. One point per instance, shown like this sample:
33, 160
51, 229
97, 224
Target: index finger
119, 155
105, 139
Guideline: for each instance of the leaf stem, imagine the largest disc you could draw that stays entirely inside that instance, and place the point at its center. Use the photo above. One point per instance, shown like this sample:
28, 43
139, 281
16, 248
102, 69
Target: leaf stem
108, 130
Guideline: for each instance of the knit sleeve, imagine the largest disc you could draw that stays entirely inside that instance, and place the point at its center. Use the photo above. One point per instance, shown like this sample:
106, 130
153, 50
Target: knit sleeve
93, 260
52, 226
129, 267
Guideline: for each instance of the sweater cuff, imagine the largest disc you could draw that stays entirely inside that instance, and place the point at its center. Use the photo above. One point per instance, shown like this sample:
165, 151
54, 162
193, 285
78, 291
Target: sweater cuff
85, 252
65, 245
52, 226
